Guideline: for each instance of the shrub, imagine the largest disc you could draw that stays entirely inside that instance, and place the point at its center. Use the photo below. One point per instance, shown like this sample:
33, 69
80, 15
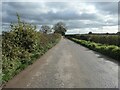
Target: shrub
22, 45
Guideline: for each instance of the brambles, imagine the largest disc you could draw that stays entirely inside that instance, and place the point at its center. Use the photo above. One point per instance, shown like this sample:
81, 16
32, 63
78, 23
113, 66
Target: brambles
22, 45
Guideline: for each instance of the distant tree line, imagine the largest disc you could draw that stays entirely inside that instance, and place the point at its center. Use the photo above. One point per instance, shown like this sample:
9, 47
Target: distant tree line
118, 33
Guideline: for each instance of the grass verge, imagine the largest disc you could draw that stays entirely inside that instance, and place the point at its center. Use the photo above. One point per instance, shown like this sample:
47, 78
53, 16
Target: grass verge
108, 50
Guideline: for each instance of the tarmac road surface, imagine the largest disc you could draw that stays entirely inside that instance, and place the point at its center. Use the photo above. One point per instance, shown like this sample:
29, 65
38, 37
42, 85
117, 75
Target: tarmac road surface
68, 65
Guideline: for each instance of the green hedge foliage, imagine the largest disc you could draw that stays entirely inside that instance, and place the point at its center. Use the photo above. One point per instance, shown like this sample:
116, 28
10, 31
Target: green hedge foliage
103, 39
22, 45
109, 50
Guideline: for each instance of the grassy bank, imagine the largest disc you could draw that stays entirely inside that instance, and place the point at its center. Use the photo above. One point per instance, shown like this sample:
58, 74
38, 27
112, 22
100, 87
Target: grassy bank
109, 50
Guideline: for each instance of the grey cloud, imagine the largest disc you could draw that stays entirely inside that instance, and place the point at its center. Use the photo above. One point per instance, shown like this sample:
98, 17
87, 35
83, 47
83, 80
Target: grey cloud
107, 7
32, 12
29, 14
92, 24
69, 15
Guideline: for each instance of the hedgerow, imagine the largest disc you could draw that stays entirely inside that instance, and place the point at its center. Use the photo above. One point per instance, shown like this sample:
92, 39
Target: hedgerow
103, 39
22, 45
109, 50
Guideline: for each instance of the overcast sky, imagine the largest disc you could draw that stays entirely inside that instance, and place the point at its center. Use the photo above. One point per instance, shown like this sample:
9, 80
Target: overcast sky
98, 17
